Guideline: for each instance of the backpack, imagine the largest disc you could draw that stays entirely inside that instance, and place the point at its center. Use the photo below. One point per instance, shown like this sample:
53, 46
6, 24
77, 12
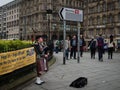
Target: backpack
57, 43
79, 82
81, 42
93, 44
100, 42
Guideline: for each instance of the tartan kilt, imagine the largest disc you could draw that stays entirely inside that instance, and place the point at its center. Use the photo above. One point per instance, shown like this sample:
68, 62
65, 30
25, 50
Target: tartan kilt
41, 65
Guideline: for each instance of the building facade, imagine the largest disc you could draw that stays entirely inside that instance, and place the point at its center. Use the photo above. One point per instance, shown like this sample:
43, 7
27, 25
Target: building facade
40, 17
27, 18
3, 25
102, 17
12, 19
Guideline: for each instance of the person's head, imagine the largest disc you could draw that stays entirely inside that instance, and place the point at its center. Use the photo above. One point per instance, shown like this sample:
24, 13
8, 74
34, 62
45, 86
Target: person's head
67, 37
92, 37
74, 37
111, 38
81, 36
39, 39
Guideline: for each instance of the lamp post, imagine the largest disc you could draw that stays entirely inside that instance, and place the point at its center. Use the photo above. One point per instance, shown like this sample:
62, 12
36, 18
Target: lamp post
21, 34
49, 11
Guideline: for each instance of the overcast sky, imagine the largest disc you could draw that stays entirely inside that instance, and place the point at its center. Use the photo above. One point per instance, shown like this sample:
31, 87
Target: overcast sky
3, 2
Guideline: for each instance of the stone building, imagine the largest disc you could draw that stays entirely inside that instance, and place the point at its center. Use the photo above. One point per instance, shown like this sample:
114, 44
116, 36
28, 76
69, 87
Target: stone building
40, 17
27, 18
3, 25
12, 20
102, 17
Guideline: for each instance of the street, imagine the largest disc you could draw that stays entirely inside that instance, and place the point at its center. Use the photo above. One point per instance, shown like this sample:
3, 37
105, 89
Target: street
101, 75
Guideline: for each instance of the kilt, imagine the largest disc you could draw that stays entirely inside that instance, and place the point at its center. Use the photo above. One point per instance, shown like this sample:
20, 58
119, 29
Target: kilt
41, 65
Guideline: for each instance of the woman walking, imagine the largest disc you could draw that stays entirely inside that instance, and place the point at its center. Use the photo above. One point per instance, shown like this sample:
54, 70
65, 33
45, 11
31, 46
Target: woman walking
111, 46
67, 47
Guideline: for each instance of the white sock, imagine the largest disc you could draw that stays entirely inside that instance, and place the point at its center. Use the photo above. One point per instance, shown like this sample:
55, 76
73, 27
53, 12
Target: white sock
45, 64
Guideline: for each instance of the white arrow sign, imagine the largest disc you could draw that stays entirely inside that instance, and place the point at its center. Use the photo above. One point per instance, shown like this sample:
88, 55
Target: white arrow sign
71, 14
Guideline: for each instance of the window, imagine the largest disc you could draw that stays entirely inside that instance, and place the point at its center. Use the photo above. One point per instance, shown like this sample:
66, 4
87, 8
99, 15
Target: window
62, 1
103, 32
70, 2
111, 31
90, 21
111, 6
44, 17
119, 30
104, 8
91, 33
104, 19
119, 17
97, 31
98, 20
98, 8
118, 3
67, 2
110, 18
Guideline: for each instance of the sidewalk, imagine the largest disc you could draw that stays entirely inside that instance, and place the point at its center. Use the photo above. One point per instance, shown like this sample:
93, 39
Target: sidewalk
101, 75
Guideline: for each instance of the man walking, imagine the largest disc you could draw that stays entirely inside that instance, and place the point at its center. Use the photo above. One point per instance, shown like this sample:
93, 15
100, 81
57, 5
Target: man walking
100, 46
92, 46
73, 44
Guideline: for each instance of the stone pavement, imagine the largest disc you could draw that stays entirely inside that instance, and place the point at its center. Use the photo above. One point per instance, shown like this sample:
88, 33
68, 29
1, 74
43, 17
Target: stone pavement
101, 75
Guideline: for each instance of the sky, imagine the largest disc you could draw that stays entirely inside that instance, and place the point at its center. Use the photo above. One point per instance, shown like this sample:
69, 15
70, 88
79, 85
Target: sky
3, 2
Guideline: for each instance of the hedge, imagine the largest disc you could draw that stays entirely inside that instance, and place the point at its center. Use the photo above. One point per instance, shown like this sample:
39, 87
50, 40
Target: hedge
11, 45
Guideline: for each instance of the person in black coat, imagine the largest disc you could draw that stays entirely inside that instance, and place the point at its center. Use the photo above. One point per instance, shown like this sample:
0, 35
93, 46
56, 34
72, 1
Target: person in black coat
82, 44
92, 46
73, 45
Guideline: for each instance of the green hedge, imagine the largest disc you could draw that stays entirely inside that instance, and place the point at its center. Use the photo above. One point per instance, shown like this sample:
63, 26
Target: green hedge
11, 45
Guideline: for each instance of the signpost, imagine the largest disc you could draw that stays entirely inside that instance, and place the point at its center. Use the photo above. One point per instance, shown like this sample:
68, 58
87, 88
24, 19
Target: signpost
70, 14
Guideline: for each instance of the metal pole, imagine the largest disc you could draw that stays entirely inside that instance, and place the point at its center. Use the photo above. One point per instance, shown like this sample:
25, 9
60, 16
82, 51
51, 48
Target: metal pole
49, 26
78, 42
25, 37
64, 33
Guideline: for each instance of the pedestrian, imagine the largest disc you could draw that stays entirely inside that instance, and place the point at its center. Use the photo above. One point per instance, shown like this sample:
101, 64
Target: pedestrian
105, 46
92, 46
100, 47
56, 46
67, 47
82, 45
41, 63
50, 46
73, 45
111, 47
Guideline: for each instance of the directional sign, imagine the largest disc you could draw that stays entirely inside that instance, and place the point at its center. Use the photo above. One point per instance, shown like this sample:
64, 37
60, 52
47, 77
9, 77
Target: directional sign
70, 14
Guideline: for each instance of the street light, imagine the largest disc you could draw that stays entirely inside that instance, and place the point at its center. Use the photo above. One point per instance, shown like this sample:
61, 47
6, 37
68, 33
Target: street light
21, 34
49, 11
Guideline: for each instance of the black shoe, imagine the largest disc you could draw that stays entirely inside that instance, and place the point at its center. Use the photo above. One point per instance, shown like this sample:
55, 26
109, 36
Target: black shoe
101, 60
67, 59
40, 83
91, 57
